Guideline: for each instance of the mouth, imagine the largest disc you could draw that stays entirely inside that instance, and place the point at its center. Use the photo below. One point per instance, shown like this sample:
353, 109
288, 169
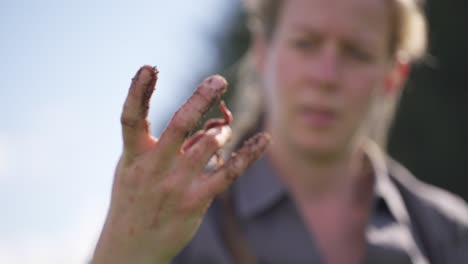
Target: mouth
317, 117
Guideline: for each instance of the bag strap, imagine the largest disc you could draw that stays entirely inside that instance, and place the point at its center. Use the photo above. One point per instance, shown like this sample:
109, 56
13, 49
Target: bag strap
232, 233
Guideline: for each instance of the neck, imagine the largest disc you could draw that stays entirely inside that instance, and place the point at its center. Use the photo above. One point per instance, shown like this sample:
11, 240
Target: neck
311, 176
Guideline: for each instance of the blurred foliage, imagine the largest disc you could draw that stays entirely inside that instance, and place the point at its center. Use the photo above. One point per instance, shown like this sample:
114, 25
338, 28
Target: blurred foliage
431, 128
429, 135
232, 42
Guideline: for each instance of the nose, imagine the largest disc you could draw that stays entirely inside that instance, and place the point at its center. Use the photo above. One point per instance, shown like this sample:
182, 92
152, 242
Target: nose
323, 68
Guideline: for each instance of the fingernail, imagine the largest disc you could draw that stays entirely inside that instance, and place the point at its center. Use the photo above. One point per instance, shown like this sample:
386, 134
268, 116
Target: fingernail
260, 140
152, 71
217, 82
137, 74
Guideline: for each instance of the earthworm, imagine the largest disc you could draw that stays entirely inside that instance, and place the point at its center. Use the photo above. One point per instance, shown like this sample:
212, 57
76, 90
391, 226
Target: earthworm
211, 124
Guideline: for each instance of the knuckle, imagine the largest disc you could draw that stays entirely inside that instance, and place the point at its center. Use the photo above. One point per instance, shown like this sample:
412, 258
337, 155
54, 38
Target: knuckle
211, 142
205, 95
128, 120
230, 175
201, 151
236, 165
198, 105
195, 154
190, 205
135, 123
203, 99
193, 162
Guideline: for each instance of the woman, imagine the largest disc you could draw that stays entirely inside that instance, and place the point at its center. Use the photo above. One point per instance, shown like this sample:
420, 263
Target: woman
330, 73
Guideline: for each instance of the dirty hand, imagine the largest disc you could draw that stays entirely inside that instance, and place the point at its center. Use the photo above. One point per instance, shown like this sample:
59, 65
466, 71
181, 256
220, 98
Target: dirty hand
161, 191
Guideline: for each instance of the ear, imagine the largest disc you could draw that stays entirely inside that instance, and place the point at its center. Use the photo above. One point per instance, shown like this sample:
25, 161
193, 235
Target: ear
397, 76
259, 51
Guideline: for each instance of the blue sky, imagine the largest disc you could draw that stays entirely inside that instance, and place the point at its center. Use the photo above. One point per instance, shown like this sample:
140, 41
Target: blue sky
66, 67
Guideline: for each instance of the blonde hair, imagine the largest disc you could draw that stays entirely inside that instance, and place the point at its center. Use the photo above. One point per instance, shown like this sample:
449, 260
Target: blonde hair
407, 36
408, 40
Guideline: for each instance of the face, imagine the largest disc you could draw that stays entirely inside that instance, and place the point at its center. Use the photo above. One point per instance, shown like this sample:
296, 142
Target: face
322, 69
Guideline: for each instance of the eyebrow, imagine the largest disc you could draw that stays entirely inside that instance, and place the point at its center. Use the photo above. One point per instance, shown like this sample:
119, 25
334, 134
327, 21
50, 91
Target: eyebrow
352, 38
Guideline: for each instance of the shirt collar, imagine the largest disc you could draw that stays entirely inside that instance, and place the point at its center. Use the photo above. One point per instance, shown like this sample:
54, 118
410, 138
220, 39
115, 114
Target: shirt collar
384, 187
260, 188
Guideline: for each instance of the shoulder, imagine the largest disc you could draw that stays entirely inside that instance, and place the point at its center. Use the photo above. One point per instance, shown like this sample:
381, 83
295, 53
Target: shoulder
438, 217
441, 202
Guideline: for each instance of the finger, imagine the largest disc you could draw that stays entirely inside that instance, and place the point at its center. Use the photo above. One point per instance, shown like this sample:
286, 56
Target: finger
213, 122
235, 166
188, 116
135, 126
207, 143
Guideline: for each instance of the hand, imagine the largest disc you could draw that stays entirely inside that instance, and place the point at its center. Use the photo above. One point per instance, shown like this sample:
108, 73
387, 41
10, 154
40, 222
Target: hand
160, 192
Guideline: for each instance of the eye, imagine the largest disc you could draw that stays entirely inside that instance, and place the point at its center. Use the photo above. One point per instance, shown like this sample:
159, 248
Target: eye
304, 44
358, 53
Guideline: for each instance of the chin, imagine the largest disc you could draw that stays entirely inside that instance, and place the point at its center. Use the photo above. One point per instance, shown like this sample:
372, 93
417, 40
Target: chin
317, 144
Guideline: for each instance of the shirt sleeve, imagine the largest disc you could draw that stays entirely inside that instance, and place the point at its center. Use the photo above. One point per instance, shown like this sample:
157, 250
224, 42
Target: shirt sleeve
182, 257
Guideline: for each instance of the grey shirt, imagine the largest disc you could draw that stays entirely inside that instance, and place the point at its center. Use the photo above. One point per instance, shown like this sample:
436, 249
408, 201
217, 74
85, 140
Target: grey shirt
411, 222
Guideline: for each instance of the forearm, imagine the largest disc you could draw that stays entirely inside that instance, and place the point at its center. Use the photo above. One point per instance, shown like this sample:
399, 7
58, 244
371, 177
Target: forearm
114, 249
